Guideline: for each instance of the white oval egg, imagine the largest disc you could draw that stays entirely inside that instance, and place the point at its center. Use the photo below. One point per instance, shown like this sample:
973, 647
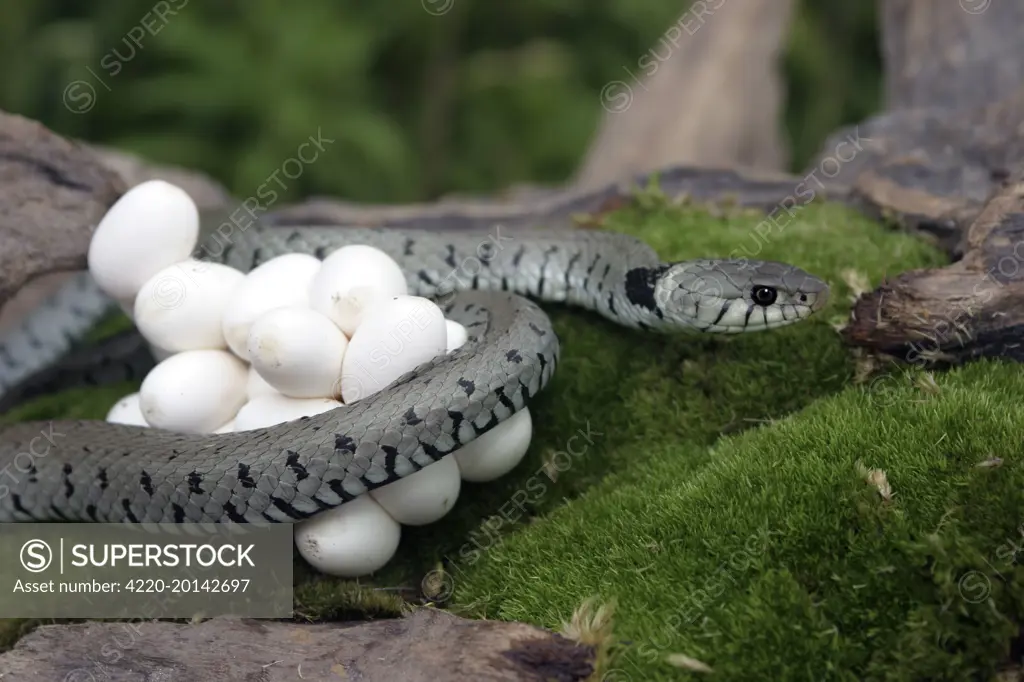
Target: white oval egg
352, 281
350, 541
281, 281
196, 391
268, 410
456, 335
396, 336
422, 497
258, 386
127, 411
152, 225
498, 451
182, 307
298, 352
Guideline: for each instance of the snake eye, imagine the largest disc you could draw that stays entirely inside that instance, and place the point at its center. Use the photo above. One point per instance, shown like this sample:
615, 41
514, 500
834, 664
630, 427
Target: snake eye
764, 296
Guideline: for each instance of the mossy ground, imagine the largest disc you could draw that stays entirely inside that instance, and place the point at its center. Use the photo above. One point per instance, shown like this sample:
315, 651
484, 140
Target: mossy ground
719, 491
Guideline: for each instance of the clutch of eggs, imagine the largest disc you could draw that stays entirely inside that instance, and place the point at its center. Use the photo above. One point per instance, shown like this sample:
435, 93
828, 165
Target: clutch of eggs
293, 338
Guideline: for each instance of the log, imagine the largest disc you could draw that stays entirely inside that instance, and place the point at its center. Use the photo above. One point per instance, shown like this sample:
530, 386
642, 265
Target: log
427, 646
55, 193
972, 308
707, 93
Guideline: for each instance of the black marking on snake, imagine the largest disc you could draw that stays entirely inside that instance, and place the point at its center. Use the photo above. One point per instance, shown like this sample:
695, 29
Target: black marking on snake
101, 478
611, 303
543, 268
750, 311
468, 307
227, 249
146, 482
457, 419
58, 513
257, 258
390, 457
476, 281
514, 356
643, 325
504, 399
640, 287
16, 502
504, 283
320, 252
542, 360
69, 488
721, 313
338, 489
90, 510
179, 512
409, 243
431, 452
537, 330
410, 417
243, 476
194, 479
467, 385
294, 238
232, 511
127, 506
293, 463
524, 391
604, 276
344, 443
450, 258
519, 256
287, 508
423, 278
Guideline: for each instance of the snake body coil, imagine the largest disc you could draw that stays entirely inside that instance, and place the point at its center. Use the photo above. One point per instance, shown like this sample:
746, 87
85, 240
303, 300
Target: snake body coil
96, 471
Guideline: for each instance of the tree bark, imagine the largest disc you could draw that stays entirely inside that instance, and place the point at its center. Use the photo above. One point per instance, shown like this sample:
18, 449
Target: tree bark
708, 93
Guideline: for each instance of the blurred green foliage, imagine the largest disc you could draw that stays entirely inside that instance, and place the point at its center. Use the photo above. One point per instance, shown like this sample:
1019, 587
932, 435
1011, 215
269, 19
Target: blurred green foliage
421, 97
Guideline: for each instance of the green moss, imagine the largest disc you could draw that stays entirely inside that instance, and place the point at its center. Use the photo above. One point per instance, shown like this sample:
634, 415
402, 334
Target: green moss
712, 488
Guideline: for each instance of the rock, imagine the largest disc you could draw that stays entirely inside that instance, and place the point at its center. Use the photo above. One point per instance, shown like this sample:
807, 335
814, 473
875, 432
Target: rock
55, 192
972, 308
707, 93
429, 645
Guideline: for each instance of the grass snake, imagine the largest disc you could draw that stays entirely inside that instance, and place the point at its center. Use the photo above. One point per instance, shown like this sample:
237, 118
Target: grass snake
487, 280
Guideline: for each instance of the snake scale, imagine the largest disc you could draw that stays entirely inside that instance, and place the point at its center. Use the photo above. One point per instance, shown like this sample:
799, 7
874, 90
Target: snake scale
489, 281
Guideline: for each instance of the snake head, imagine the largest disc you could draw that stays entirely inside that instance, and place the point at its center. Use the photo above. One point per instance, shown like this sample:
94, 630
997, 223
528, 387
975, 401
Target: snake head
736, 295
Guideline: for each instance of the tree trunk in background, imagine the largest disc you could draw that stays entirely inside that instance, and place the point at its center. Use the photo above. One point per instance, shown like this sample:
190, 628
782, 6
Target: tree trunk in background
950, 54
707, 93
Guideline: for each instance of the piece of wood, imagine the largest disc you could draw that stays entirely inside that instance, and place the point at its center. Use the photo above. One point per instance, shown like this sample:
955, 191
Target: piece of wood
972, 308
707, 93
950, 55
55, 192
429, 645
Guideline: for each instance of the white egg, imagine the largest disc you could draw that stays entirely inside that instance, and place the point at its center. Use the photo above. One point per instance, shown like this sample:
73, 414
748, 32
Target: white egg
395, 337
422, 497
227, 428
352, 281
456, 335
258, 386
196, 391
127, 411
268, 410
151, 226
281, 281
498, 451
298, 351
350, 541
182, 307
